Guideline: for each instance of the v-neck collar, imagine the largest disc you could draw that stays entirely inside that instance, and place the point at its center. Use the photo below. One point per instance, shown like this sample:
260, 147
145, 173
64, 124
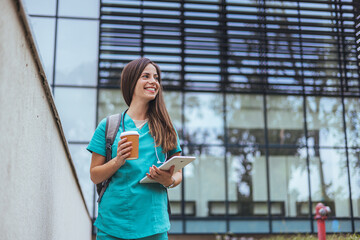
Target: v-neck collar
130, 125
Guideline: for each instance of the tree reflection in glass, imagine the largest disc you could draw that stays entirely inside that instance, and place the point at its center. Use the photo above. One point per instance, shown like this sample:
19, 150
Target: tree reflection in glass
329, 180
245, 119
352, 116
285, 118
325, 122
246, 167
289, 186
110, 102
205, 180
204, 121
354, 163
173, 104
247, 181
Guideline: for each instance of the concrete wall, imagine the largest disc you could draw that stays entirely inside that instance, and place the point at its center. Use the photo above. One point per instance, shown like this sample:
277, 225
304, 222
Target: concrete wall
40, 197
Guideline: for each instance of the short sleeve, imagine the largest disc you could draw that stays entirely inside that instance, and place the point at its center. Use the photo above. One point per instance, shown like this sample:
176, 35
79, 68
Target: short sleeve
98, 142
178, 148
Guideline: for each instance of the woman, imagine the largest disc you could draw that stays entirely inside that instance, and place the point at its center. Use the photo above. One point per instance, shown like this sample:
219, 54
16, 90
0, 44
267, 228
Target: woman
128, 209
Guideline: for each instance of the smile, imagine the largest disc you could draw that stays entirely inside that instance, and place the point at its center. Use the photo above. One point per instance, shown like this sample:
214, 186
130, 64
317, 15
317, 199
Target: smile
151, 89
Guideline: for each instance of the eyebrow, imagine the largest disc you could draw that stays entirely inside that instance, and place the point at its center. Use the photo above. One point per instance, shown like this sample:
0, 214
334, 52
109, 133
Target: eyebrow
149, 73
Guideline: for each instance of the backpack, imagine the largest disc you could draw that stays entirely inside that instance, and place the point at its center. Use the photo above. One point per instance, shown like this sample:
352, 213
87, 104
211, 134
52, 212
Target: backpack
111, 129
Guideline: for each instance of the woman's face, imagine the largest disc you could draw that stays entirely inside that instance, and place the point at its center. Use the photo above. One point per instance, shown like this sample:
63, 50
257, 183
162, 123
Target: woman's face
147, 86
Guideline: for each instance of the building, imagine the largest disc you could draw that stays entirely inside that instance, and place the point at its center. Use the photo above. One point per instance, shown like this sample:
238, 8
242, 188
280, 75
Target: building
266, 94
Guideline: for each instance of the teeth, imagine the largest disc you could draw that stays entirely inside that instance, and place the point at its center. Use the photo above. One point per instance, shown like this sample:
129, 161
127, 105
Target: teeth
151, 89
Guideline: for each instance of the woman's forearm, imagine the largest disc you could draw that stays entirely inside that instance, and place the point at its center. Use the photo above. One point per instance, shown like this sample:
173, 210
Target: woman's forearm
103, 172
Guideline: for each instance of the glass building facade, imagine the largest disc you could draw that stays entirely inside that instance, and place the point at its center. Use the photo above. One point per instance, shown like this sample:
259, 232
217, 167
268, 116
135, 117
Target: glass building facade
266, 95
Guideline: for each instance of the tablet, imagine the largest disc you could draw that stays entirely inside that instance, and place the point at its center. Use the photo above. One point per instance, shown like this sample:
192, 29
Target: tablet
178, 161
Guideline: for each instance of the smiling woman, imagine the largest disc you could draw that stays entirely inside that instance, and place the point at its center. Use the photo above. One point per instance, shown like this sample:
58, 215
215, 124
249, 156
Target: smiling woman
129, 210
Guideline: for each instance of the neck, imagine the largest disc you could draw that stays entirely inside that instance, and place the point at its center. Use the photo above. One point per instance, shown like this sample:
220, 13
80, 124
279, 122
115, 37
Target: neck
138, 110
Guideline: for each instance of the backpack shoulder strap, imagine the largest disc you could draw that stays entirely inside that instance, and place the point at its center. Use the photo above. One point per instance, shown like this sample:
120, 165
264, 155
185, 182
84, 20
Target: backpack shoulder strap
111, 129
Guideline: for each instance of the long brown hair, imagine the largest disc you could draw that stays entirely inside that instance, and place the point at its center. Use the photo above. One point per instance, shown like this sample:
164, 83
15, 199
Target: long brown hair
160, 124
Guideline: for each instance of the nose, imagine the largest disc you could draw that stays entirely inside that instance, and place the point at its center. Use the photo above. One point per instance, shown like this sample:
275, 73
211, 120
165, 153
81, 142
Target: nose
152, 80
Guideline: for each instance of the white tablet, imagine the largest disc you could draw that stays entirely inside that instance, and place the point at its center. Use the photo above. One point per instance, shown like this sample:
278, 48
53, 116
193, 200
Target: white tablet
178, 161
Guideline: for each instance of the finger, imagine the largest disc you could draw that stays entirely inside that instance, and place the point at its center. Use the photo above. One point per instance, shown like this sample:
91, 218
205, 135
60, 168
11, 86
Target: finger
171, 170
122, 151
122, 141
154, 173
157, 170
124, 145
149, 176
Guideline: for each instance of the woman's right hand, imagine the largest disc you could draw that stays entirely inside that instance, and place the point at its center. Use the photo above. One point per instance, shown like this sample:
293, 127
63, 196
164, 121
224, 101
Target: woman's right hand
123, 151
100, 170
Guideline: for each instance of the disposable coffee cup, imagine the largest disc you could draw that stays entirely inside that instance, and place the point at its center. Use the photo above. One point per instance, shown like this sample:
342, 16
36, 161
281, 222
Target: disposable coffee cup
132, 136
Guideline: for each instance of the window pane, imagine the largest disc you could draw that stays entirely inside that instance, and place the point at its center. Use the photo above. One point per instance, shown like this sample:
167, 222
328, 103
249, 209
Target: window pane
204, 122
247, 182
354, 164
79, 8
245, 119
202, 176
289, 184
44, 29
207, 226
329, 180
111, 102
291, 226
249, 226
82, 160
352, 106
41, 7
173, 101
77, 109
325, 122
77, 52
285, 118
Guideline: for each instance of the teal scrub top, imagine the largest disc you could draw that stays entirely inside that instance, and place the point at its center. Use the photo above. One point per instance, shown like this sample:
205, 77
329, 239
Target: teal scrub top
129, 209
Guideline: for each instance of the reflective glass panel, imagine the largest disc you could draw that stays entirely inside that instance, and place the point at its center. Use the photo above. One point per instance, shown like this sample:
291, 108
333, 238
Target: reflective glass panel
173, 101
111, 102
245, 119
289, 182
205, 180
82, 159
173, 104
204, 120
41, 7
352, 116
354, 164
291, 226
324, 121
247, 186
77, 109
249, 226
285, 119
79, 8
77, 52
329, 180
44, 29
206, 226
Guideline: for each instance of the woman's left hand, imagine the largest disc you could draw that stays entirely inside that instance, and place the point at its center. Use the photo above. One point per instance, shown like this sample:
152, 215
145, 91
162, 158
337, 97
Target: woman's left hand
161, 176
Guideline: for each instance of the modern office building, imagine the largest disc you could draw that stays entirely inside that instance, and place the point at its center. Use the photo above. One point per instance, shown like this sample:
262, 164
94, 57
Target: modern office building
266, 95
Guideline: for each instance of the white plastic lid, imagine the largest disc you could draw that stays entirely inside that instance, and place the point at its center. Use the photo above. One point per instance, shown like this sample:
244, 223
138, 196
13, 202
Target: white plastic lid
127, 133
